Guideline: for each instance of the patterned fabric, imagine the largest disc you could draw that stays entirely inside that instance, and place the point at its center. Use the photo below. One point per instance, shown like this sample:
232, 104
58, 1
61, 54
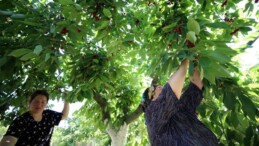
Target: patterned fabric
33, 133
173, 122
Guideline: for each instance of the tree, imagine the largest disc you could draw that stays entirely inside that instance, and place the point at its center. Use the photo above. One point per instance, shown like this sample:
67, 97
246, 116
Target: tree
101, 51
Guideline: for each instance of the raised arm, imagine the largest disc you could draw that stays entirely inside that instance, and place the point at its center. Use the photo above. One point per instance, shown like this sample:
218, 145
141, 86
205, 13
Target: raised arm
65, 111
161, 110
176, 81
8, 141
192, 96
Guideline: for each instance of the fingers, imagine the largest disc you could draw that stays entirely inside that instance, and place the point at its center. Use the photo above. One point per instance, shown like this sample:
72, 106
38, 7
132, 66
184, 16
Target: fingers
196, 79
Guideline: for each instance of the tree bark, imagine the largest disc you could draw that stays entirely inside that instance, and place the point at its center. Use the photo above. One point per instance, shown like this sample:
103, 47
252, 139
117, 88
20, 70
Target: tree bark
119, 137
133, 116
103, 104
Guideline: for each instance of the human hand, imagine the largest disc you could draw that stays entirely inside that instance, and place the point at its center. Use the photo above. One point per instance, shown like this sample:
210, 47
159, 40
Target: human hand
196, 78
185, 61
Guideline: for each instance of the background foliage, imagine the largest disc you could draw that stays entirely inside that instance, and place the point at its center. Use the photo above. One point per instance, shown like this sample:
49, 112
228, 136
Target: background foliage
100, 53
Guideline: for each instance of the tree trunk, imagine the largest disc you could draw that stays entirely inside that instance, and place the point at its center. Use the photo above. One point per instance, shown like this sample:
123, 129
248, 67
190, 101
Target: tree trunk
119, 137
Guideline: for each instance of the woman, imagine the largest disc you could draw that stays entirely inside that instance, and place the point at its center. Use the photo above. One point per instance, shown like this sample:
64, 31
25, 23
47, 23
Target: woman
170, 117
34, 127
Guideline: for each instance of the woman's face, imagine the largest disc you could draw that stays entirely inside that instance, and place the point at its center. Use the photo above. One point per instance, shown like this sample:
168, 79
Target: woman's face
38, 104
158, 90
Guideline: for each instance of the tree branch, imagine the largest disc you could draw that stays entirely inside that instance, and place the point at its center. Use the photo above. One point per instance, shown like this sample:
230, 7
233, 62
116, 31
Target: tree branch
250, 43
102, 103
133, 116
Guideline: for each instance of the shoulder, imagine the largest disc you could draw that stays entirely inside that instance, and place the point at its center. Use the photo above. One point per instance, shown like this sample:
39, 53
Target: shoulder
22, 117
53, 116
167, 87
49, 112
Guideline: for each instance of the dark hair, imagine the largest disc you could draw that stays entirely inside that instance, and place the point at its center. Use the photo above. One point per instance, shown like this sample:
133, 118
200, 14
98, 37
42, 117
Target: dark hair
39, 92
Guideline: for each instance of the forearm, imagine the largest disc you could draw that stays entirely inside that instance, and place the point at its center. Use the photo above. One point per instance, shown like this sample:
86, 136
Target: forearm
65, 110
176, 81
8, 141
192, 97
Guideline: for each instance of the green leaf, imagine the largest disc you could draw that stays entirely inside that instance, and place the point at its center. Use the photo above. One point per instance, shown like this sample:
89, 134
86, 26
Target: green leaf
104, 24
19, 52
248, 7
210, 72
232, 119
201, 72
248, 107
244, 29
38, 49
209, 76
107, 13
100, 35
129, 37
3, 60
204, 61
47, 56
215, 117
95, 60
169, 28
62, 23
149, 31
182, 54
222, 48
218, 25
191, 67
256, 139
248, 136
104, 78
78, 7
219, 57
52, 29
230, 137
204, 4
88, 94
74, 34
229, 100
6, 12
200, 1
18, 16
28, 22
66, 2
28, 56
220, 71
